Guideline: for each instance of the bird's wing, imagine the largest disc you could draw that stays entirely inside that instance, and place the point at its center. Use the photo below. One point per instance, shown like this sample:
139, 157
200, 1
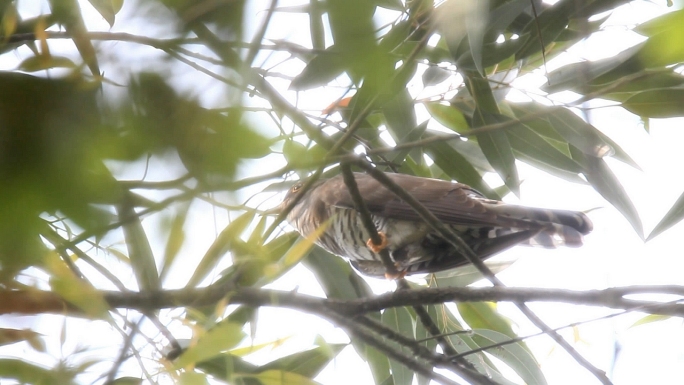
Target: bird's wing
451, 203
484, 250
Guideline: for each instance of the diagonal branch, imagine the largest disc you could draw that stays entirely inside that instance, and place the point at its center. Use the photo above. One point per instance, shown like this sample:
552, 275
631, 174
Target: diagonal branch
452, 238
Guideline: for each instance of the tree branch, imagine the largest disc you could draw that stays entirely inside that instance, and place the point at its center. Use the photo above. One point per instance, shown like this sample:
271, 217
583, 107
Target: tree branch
36, 301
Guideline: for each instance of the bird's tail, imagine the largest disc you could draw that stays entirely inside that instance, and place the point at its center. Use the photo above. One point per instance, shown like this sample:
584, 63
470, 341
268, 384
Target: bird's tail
559, 227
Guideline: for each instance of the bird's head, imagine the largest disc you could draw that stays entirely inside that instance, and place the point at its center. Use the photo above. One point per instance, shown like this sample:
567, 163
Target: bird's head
293, 193
306, 205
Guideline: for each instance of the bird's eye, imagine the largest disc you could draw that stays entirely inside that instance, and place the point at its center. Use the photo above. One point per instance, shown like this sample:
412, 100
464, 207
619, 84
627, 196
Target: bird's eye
296, 187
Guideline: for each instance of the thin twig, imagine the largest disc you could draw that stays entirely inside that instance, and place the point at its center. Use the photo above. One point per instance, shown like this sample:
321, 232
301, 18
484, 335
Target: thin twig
436, 360
362, 208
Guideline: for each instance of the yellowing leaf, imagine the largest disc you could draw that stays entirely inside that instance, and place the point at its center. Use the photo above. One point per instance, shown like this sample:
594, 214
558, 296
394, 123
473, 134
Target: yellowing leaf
9, 20
43, 62
241, 352
75, 291
10, 336
650, 318
221, 338
295, 253
193, 378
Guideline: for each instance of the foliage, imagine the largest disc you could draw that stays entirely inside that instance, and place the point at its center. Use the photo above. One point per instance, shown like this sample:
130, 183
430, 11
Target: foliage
105, 153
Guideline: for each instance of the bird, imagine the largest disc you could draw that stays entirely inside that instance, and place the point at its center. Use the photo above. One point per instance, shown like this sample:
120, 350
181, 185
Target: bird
487, 226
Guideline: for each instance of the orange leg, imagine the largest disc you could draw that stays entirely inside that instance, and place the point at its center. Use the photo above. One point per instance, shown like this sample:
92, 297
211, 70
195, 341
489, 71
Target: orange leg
377, 248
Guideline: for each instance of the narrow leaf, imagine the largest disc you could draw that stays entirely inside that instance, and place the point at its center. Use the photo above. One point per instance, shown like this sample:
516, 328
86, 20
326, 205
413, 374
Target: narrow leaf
295, 254
107, 9
523, 139
482, 315
516, 355
175, 240
139, 249
667, 103
448, 116
674, 216
650, 319
307, 363
400, 320
322, 69
221, 245
579, 133
497, 149
78, 292
220, 338
604, 181
280, 377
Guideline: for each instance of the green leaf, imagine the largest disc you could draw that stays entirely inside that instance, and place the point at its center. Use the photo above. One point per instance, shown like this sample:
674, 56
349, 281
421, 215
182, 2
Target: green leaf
435, 75
223, 243
483, 315
400, 320
322, 69
126, 381
226, 366
664, 48
528, 142
604, 181
458, 167
295, 254
497, 149
463, 343
107, 9
396, 5
338, 280
619, 153
475, 32
415, 134
68, 13
307, 363
400, 115
516, 355
193, 378
661, 23
280, 377
316, 25
336, 276
468, 274
222, 337
294, 152
377, 362
544, 29
139, 249
43, 62
535, 116
175, 240
577, 132
666, 103
27, 373
566, 77
673, 216
448, 116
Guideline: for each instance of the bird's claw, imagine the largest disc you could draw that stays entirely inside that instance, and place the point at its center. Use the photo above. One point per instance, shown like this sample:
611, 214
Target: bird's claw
377, 248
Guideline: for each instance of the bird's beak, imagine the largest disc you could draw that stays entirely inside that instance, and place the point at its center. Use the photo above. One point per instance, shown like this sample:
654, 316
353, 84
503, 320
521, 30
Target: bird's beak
275, 210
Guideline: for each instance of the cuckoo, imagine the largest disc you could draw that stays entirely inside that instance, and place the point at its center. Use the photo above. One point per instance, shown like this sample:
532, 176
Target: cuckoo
487, 226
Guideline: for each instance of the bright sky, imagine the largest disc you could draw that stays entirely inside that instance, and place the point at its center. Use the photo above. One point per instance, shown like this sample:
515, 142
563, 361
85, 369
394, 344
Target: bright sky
612, 256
